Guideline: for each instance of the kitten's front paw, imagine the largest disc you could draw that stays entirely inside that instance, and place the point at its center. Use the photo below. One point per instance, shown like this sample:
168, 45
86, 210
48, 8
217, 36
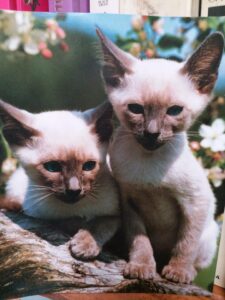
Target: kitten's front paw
140, 271
179, 273
10, 204
84, 246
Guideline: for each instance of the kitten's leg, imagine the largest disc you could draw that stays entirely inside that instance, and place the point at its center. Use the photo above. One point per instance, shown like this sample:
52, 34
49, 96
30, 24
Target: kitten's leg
141, 259
72, 225
197, 207
88, 242
9, 203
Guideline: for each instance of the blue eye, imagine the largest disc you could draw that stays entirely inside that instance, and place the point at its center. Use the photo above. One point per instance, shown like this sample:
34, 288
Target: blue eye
136, 108
89, 165
174, 110
53, 166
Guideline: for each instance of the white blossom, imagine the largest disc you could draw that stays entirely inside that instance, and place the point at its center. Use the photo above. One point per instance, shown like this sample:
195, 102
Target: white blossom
9, 166
213, 136
11, 44
19, 33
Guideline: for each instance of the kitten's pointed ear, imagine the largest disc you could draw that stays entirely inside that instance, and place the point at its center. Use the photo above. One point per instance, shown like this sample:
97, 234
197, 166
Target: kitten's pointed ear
15, 129
202, 67
116, 62
101, 120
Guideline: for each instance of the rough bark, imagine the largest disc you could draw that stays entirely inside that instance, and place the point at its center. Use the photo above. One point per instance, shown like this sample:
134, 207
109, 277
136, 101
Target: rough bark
34, 259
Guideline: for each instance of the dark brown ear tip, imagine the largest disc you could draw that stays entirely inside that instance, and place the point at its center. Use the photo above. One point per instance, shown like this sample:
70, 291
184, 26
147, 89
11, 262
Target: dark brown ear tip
216, 38
107, 108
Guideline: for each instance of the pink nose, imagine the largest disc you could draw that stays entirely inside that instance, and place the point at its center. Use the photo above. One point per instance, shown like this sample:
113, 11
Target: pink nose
74, 184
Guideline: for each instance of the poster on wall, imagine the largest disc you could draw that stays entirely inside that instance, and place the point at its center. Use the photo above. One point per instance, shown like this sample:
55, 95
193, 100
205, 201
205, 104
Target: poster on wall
112, 140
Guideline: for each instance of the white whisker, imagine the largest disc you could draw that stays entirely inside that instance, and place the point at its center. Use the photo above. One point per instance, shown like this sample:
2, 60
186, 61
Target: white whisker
38, 189
37, 185
38, 201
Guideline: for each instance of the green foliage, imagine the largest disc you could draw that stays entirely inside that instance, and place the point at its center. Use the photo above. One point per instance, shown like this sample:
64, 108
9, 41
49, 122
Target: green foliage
168, 41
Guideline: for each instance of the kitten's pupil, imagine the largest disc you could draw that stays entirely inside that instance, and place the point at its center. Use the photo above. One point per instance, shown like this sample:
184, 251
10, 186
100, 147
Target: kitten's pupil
136, 108
174, 110
53, 166
89, 165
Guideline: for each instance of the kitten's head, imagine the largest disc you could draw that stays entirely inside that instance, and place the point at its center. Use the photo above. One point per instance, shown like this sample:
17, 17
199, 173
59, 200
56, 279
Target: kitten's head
61, 151
156, 99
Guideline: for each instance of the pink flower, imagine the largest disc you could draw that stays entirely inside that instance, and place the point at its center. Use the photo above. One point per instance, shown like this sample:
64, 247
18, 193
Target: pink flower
60, 32
137, 23
195, 146
149, 53
47, 53
42, 45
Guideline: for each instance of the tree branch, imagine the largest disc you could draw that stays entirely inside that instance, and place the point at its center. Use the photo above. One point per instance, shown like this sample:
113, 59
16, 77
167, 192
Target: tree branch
35, 259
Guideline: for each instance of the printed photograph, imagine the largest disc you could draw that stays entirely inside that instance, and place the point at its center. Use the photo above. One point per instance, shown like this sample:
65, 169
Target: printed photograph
112, 153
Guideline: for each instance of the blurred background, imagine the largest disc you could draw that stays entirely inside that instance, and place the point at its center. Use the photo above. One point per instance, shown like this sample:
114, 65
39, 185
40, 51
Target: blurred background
50, 62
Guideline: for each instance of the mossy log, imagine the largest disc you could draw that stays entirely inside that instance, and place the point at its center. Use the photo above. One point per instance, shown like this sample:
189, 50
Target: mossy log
35, 259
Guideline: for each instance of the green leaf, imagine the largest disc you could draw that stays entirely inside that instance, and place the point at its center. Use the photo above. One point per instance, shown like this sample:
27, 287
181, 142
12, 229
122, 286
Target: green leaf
168, 41
5, 151
121, 42
153, 19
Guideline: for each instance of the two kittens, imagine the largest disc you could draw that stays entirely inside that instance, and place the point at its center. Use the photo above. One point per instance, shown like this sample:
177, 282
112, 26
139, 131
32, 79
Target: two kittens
167, 202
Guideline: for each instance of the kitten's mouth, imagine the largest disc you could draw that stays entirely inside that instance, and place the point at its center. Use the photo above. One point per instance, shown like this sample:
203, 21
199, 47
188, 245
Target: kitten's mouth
149, 145
69, 199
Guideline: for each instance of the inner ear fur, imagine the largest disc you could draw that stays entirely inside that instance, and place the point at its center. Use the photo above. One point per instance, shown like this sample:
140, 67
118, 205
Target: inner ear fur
15, 128
116, 62
202, 67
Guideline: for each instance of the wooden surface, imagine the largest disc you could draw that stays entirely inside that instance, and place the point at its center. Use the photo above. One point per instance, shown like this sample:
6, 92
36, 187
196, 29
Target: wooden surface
129, 297
219, 291
35, 259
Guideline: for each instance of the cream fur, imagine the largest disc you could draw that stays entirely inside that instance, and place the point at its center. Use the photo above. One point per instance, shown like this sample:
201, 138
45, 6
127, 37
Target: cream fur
67, 131
174, 170
167, 201
57, 131
156, 77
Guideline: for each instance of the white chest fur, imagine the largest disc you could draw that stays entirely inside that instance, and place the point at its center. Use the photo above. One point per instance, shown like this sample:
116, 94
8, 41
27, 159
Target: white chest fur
132, 164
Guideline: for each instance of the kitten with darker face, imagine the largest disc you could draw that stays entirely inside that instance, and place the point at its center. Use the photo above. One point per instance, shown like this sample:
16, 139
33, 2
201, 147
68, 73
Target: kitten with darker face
63, 171
168, 204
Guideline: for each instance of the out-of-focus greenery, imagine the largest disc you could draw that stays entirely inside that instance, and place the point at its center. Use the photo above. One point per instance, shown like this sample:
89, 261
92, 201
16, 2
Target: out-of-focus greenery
149, 36
21, 32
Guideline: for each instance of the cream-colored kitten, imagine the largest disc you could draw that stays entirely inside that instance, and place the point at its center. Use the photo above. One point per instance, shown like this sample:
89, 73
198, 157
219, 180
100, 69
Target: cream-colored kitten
168, 203
63, 171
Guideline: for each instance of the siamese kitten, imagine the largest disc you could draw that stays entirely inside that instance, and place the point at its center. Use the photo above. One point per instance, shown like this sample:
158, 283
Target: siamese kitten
168, 204
63, 171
